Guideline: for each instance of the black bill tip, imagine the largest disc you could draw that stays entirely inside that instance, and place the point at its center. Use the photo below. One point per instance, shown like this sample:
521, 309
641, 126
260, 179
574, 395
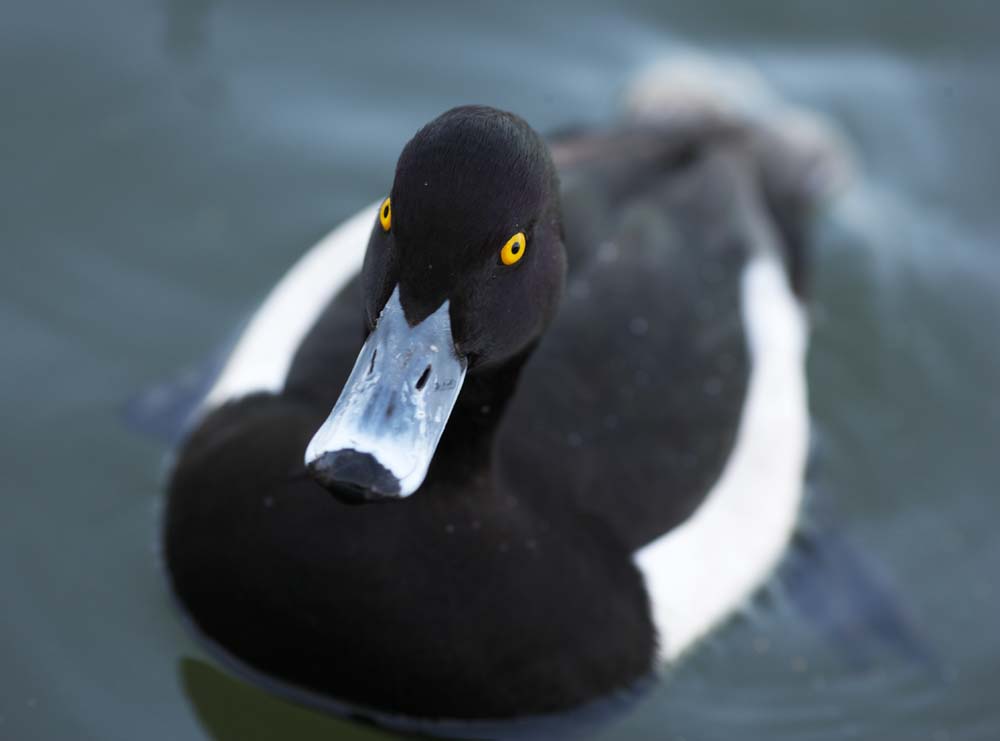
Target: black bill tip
354, 477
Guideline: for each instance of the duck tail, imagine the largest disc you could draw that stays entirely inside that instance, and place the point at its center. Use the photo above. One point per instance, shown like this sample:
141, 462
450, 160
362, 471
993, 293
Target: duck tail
802, 160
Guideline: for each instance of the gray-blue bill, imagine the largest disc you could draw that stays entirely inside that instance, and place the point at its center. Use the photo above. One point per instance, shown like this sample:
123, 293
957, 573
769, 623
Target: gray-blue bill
379, 439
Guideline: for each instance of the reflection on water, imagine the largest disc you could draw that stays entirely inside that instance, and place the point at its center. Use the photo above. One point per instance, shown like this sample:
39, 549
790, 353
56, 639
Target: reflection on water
231, 710
164, 164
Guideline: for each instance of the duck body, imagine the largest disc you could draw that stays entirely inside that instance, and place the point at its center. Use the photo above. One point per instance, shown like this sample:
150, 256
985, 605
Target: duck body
600, 497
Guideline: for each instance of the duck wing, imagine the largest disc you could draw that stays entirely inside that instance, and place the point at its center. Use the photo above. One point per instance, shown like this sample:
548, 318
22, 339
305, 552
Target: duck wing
631, 404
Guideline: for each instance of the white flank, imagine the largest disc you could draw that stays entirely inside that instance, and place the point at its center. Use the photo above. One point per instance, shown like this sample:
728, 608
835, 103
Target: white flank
702, 570
262, 357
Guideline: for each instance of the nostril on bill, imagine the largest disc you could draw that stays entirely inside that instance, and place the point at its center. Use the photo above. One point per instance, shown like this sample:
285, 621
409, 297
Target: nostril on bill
422, 381
371, 365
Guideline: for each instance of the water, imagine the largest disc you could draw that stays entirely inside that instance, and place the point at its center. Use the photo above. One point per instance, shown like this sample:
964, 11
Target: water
162, 163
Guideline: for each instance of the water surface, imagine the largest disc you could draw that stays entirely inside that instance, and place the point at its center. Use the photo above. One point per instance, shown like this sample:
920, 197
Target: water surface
164, 162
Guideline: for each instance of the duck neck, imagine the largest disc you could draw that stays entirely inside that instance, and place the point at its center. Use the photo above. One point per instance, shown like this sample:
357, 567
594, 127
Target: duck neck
466, 445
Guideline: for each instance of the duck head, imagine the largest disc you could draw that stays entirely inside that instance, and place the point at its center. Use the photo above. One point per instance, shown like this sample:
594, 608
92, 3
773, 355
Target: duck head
463, 273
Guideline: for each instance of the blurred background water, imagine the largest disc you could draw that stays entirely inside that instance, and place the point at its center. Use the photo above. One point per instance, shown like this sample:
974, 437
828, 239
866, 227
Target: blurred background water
163, 162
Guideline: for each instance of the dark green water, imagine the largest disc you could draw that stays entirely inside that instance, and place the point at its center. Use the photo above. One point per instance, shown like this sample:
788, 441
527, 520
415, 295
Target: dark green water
162, 163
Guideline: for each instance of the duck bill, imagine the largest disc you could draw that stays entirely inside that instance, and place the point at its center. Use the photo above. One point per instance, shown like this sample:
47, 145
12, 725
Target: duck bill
379, 439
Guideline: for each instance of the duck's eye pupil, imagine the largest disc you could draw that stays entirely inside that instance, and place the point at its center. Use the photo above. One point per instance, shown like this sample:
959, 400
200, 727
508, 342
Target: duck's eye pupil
385, 212
516, 247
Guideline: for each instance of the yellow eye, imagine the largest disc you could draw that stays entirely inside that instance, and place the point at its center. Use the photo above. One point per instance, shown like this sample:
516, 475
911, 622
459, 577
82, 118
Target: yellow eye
385, 215
513, 250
